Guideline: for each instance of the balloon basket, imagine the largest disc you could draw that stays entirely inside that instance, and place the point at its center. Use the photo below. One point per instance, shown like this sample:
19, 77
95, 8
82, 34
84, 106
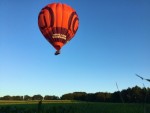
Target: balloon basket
57, 52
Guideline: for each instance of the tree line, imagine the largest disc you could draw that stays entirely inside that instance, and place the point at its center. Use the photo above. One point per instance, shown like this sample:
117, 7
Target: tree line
27, 97
130, 95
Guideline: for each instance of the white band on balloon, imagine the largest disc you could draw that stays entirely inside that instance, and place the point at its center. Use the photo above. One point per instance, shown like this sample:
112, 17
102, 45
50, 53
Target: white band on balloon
62, 36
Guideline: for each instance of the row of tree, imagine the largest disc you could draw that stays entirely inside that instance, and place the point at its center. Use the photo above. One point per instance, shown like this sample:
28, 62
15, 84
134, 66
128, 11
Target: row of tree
130, 95
135, 94
27, 97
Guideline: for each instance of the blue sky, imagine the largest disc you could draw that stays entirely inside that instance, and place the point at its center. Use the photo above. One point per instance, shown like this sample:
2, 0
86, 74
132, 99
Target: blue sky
111, 45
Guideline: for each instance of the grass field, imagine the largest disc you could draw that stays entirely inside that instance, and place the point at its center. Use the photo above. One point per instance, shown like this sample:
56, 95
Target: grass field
70, 107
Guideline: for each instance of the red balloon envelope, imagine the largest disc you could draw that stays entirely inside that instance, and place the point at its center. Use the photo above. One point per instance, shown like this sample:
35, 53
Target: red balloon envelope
58, 23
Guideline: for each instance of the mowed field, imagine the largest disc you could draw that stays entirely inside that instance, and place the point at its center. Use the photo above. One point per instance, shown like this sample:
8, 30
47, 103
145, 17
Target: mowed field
67, 106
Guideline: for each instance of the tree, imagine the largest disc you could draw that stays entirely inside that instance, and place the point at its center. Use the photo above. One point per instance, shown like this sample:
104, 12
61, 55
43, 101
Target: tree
148, 95
79, 96
17, 98
48, 97
37, 97
126, 95
7, 97
90, 97
68, 96
102, 96
116, 97
26, 97
137, 94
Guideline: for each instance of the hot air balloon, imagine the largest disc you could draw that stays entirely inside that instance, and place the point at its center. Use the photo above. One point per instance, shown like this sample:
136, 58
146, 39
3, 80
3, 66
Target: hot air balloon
58, 23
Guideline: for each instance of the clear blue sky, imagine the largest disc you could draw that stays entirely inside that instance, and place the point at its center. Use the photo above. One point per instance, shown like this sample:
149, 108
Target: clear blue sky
111, 45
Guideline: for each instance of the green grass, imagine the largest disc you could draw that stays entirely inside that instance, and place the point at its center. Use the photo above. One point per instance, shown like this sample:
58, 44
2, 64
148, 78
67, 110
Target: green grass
70, 107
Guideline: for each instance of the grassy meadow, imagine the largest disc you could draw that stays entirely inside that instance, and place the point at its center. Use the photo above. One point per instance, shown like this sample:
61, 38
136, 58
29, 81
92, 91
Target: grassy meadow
60, 106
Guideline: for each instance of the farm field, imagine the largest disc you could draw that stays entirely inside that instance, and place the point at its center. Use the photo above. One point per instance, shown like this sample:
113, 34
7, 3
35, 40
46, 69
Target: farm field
71, 107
